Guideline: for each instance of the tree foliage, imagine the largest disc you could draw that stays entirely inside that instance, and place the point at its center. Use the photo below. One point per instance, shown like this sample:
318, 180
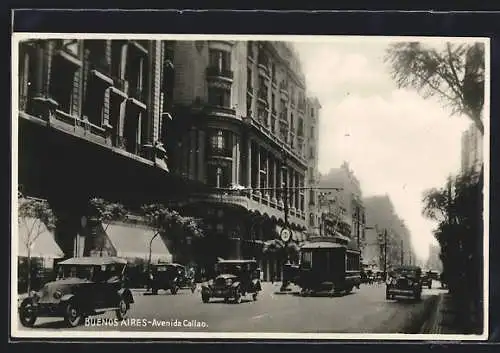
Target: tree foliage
108, 211
40, 212
170, 222
454, 74
458, 207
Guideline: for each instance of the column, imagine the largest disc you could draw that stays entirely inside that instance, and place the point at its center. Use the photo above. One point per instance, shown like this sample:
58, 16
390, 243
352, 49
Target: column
275, 162
249, 162
40, 62
267, 192
201, 155
192, 153
257, 150
234, 165
237, 160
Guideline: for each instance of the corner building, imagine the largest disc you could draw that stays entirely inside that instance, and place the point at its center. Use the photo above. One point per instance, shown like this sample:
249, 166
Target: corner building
93, 116
240, 118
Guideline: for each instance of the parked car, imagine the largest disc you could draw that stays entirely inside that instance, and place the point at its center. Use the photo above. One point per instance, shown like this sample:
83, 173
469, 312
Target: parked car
404, 281
85, 286
328, 266
233, 279
169, 276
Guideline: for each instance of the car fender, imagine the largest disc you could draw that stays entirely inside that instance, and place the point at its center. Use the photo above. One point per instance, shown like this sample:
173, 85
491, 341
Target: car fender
126, 294
235, 285
67, 297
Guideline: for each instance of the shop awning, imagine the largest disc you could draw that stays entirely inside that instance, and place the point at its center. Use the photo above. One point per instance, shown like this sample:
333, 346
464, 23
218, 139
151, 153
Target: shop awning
33, 232
132, 242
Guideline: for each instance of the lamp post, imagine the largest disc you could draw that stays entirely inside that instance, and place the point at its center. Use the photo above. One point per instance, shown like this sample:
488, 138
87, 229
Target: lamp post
150, 249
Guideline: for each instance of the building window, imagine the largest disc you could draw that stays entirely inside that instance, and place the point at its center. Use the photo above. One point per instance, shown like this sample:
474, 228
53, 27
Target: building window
219, 176
27, 77
312, 132
135, 74
250, 49
311, 197
95, 50
273, 72
300, 129
94, 101
273, 103
219, 97
220, 60
263, 92
116, 60
311, 219
218, 140
249, 79
292, 123
262, 113
249, 106
312, 112
61, 84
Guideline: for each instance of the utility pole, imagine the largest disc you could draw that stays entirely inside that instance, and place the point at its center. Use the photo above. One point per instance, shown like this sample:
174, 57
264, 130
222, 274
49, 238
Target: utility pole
402, 253
385, 253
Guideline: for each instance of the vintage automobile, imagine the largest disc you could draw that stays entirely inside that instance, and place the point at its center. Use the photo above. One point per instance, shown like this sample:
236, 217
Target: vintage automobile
169, 276
329, 266
404, 281
290, 275
85, 286
234, 279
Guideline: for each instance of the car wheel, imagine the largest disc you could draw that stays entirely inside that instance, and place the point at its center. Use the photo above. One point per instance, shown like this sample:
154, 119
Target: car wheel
254, 297
430, 286
193, 288
418, 296
174, 290
27, 314
72, 317
122, 311
237, 297
205, 298
387, 296
154, 291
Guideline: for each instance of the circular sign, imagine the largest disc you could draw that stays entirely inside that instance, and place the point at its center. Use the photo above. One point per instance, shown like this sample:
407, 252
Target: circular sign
285, 235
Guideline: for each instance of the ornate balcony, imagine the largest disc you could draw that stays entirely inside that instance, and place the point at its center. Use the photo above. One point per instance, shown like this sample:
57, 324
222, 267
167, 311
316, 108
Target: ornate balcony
220, 74
219, 111
220, 152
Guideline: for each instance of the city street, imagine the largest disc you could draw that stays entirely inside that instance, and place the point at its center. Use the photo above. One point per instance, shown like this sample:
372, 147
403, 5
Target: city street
364, 311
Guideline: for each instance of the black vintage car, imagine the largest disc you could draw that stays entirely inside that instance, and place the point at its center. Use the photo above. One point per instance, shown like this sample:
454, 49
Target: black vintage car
170, 276
234, 279
84, 286
404, 281
329, 266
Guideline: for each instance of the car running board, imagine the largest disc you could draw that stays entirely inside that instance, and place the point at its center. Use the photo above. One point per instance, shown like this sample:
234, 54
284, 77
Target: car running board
103, 310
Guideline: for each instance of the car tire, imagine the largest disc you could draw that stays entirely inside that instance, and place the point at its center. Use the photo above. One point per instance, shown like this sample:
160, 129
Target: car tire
254, 297
154, 291
72, 315
174, 290
418, 296
205, 298
237, 297
27, 314
122, 311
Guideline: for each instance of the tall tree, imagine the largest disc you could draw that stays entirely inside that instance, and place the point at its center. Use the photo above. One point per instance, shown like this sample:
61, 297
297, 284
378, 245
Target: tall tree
172, 224
107, 212
34, 215
455, 74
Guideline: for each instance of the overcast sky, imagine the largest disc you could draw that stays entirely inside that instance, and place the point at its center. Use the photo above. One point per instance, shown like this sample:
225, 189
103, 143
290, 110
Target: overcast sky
395, 141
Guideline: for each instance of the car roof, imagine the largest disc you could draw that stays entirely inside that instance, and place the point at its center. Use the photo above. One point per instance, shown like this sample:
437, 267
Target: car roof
322, 245
236, 261
167, 264
94, 260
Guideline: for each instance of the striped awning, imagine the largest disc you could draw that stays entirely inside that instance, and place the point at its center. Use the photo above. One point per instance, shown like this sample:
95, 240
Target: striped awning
132, 242
34, 234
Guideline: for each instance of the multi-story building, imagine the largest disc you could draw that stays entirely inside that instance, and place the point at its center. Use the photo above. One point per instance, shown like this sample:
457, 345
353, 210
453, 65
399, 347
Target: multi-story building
434, 260
241, 115
472, 149
381, 218
343, 207
92, 123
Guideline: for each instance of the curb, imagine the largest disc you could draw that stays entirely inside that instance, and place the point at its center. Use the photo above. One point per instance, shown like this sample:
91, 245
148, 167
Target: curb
431, 325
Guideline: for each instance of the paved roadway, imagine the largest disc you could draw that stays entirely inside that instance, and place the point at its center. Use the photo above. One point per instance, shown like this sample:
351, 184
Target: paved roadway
364, 311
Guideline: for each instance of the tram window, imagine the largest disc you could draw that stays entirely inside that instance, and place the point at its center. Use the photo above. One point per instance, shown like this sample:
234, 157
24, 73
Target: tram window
307, 259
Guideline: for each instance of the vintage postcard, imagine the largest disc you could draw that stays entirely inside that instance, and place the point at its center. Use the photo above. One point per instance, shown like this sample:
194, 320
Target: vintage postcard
256, 187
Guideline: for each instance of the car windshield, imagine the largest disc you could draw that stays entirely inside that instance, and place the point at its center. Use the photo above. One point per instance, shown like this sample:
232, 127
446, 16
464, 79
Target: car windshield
94, 273
232, 268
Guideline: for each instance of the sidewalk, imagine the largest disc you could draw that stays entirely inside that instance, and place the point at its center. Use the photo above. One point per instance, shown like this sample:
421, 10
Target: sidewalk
448, 318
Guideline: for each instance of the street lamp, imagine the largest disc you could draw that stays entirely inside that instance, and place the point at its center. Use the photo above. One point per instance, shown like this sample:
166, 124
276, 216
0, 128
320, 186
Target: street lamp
150, 249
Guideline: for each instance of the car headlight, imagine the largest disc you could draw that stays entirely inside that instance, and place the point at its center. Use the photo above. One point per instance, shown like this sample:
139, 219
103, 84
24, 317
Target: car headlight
229, 281
210, 282
33, 294
57, 294
393, 281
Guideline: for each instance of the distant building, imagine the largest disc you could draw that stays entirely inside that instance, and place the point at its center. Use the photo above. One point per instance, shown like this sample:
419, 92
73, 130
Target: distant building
472, 149
343, 209
434, 261
380, 217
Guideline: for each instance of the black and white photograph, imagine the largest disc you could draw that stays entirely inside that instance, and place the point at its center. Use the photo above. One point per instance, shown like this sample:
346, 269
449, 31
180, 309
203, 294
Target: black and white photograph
250, 186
